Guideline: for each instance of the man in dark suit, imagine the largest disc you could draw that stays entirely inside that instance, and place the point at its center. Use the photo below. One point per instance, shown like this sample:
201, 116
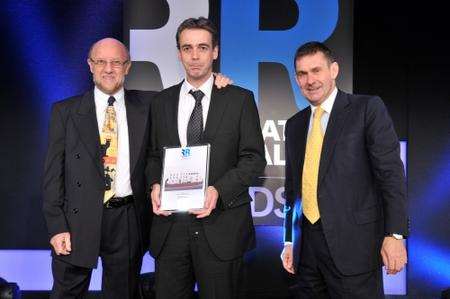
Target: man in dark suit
343, 163
94, 182
205, 245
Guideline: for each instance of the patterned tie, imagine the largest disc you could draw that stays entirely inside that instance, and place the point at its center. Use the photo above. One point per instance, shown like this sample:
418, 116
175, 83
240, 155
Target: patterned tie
195, 125
311, 168
108, 145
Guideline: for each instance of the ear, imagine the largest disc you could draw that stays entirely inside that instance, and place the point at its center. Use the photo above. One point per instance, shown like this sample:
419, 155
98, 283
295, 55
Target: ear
179, 54
215, 52
127, 68
334, 69
296, 80
91, 65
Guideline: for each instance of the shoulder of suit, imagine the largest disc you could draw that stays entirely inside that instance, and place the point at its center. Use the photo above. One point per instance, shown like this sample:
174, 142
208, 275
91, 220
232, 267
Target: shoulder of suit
298, 116
69, 102
145, 96
236, 88
362, 98
169, 91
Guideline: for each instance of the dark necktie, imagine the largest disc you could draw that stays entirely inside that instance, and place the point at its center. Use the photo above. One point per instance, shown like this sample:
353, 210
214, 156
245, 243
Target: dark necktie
195, 125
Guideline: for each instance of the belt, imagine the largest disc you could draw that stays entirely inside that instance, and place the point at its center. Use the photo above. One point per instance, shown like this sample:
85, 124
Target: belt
116, 202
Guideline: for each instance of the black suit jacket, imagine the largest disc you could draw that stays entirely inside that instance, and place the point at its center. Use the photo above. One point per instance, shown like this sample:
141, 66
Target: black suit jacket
236, 159
74, 184
361, 189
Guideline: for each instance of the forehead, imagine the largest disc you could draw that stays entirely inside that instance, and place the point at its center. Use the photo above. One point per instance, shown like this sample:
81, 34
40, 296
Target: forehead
195, 36
109, 50
310, 61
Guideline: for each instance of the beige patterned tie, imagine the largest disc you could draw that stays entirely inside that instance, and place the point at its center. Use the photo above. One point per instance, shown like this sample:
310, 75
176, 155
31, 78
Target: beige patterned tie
311, 168
108, 144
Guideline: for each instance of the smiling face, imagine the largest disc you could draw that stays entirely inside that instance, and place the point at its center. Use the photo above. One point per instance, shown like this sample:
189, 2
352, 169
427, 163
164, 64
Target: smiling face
197, 55
316, 76
109, 65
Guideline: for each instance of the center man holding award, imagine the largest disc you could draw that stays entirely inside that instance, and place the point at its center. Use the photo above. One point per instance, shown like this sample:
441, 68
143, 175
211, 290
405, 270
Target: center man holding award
207, 149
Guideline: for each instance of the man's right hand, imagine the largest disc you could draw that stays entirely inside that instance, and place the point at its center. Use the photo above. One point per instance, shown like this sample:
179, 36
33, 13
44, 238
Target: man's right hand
61, 243
156, 201
287, 257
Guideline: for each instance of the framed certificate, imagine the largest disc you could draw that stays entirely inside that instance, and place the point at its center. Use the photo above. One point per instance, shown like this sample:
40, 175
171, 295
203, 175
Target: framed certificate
184, 178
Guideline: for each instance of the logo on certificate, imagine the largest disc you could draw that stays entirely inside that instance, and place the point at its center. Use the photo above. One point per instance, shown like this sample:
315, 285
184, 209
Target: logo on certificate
185, 152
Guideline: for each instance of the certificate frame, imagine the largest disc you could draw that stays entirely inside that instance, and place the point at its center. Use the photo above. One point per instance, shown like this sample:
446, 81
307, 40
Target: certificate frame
184, 177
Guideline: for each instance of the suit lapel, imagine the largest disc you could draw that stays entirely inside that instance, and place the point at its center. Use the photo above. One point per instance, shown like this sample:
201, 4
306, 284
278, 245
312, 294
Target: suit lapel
137, 117
86, 122
302, 137
217, 107
171, 111
336, 122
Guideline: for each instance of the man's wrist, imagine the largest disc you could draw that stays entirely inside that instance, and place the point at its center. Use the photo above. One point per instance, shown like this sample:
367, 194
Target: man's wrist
396, 236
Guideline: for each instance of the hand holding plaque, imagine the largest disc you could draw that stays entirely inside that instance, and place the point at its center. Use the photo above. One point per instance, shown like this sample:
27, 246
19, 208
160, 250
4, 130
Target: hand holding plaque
184, 178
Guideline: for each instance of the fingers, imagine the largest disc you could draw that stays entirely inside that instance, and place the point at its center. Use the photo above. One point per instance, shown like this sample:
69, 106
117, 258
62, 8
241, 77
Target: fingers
385, 259
68, 243
287, 259
156, 201
394, 255
222, 81
61, 244
201, 213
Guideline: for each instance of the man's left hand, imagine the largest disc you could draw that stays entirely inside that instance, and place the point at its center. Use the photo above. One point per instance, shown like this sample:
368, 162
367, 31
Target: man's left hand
210, 203
222, 80
394, 255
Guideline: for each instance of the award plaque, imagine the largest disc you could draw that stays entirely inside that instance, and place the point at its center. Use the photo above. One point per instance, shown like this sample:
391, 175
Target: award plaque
184, 178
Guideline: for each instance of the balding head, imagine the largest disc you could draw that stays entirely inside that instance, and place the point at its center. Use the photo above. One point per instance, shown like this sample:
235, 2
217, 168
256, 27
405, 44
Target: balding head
109, 42
109, 61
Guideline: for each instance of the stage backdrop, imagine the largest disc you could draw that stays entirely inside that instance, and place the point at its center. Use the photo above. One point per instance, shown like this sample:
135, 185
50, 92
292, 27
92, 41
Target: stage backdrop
43, 55
258, 40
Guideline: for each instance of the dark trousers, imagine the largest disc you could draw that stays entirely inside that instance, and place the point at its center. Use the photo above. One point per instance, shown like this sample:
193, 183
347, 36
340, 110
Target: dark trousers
186, 258
318, 276
121, 257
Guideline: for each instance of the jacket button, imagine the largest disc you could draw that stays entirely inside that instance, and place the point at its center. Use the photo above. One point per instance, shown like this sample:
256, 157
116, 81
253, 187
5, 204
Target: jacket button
75, 210
78, 184
77, 156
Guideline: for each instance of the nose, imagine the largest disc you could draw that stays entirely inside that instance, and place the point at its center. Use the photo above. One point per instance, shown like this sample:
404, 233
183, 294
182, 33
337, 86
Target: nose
194, 54
108, 67
309, 79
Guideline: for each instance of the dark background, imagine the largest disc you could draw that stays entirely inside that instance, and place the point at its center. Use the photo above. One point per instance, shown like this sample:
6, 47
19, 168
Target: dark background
400, 53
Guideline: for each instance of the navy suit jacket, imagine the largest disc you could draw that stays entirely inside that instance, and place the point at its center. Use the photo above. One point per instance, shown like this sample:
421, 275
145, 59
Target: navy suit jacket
361, 186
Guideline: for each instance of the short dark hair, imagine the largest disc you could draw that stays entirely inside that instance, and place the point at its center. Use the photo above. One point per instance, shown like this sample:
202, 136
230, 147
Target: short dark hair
199, 23
312, 48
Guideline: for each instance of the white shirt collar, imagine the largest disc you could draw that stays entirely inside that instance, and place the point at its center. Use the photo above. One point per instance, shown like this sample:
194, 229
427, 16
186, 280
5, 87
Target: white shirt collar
205, 87
101, 98
327, 105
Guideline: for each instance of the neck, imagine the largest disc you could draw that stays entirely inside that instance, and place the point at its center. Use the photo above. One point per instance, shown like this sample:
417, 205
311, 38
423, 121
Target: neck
197, 82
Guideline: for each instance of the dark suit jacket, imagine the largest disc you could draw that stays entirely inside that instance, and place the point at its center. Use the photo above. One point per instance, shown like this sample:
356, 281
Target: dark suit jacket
236, 159
361, 188
74, 183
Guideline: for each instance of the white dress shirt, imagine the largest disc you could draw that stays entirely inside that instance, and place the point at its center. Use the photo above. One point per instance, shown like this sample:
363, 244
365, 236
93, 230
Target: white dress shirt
123, 185
327, 106
186, 105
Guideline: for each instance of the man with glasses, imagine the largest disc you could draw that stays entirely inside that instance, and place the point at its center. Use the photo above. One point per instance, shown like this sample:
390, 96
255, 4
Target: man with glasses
94, 183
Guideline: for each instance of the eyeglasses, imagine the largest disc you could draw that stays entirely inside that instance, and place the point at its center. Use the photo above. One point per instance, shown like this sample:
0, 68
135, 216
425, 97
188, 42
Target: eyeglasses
103, 63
